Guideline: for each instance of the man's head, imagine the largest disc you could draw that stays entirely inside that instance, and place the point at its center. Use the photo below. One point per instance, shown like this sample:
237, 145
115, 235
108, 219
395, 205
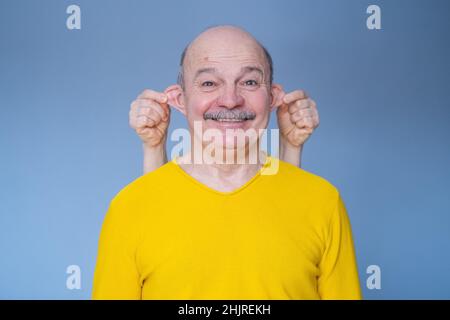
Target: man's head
268, 57
225, 81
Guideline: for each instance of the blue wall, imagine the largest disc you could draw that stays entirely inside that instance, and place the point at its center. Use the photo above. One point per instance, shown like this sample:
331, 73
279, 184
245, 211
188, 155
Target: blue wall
66, 148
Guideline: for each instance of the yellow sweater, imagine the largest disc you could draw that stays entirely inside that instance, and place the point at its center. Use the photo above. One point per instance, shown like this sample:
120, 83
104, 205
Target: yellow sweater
281, 236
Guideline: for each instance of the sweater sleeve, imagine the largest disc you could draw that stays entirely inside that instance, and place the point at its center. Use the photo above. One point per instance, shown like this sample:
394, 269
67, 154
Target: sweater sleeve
338, 278
116, 274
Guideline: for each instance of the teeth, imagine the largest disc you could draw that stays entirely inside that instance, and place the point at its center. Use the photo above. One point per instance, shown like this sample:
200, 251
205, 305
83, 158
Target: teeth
229, 120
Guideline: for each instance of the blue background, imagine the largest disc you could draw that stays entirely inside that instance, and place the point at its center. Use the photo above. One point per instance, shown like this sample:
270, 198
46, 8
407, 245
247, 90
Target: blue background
66, 147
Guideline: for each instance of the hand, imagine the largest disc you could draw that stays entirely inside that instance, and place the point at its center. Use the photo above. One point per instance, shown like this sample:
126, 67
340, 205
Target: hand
149, 117
297, 118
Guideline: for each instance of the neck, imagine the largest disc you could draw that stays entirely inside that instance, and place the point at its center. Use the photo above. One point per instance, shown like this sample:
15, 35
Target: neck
224, 177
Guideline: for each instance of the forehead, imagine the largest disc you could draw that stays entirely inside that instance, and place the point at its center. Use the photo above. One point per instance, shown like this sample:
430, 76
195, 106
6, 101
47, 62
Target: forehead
223, 56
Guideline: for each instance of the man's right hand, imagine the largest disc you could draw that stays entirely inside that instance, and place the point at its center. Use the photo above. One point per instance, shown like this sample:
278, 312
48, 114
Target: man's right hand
150, 116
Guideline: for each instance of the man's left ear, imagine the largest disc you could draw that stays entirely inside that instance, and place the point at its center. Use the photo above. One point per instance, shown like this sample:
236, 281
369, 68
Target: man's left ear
277, 96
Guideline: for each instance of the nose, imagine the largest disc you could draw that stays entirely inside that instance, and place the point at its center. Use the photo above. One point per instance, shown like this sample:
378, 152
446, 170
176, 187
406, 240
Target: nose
231, 98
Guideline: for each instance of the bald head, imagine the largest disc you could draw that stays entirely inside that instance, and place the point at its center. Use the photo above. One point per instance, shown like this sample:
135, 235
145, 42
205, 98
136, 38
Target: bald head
220, 40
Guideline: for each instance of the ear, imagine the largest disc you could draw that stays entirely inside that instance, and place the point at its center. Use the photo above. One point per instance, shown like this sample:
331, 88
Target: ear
175, 96
277, 94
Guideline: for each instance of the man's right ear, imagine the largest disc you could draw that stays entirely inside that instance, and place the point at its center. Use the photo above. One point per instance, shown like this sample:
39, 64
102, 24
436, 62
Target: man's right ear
175, 95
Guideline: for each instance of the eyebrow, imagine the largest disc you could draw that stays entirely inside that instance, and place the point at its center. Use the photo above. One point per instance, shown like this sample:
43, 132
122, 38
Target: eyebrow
246, 69
249, 69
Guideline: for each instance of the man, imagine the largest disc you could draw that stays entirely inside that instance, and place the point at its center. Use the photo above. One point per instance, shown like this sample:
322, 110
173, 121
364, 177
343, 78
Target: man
150, 115
190, 230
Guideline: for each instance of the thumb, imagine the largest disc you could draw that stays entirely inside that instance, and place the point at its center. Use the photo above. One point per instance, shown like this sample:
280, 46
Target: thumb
277, 102
282, 105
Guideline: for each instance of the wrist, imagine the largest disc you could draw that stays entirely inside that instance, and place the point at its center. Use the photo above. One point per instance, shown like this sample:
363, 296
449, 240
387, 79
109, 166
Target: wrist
286, 146
157, 152
154, 157
290, 153
157, 148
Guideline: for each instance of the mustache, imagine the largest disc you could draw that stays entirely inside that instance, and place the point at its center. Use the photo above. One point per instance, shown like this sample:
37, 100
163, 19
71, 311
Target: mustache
229, 115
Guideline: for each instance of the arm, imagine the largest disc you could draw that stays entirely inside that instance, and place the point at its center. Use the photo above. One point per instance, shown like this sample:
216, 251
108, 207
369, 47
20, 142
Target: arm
154, 157
290, 153
149, 116
297, 119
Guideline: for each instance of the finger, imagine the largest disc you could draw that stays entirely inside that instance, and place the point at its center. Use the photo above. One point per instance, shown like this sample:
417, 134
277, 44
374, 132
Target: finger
305, 123
144, 121
282, 108
162, 107
153, 116
154, 95
305, 131
281, 105
134, 106
299, 104
316, 119
146, 105
132, 115
294, 95
315, 114
300, 114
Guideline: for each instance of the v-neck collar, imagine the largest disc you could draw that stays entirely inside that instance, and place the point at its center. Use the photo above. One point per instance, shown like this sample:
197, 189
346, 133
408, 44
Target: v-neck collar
222, 193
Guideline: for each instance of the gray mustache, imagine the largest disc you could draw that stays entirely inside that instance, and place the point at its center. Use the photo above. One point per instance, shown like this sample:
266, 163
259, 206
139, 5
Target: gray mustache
229, 115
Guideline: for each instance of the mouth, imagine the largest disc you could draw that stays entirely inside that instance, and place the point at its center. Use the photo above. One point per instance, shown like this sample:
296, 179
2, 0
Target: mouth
230, 116
229, 123
229, 120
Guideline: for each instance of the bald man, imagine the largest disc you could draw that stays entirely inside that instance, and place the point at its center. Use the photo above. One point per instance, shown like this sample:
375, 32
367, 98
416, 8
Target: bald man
226, 230
149, 116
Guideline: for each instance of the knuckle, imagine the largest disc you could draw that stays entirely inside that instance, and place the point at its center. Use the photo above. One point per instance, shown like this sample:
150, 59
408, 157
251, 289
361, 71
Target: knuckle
144, 108
300, 92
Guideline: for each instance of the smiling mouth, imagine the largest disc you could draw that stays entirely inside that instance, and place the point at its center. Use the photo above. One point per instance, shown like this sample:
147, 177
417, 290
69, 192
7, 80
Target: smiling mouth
231, 123
229, 120
230, 116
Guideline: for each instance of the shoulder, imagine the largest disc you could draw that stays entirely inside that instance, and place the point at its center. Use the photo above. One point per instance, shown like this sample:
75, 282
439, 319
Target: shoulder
147, 187
127, 207
316, 198
298, 179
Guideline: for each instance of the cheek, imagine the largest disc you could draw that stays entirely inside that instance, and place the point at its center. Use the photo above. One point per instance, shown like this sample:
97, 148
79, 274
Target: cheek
260, 102
197, 106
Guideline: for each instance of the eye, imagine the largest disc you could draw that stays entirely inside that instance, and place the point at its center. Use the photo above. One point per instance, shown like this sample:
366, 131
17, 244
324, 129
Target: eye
251, 83
207, 84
